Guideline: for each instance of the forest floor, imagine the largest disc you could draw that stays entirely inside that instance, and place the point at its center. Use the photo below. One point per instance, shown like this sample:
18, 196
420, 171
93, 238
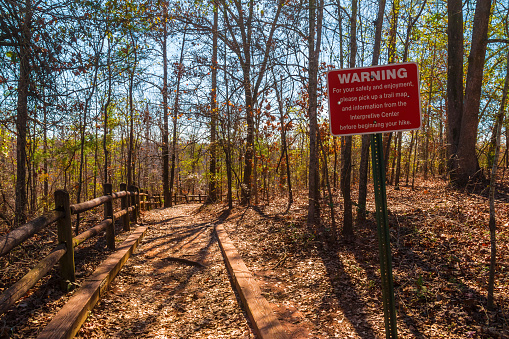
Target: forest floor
441, 252
318, 287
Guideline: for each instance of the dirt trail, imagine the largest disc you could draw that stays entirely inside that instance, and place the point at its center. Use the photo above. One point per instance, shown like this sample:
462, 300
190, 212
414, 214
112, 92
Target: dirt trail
157, 297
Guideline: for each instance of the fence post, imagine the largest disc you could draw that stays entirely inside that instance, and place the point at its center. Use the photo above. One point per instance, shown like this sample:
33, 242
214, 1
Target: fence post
133, 203
64, 229
124, 205
138, 204
140, 199
149, 201
108, 214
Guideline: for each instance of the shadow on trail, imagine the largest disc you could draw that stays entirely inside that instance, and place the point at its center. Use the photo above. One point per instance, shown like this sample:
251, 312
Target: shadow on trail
345, 289
176, 237
181, 236
364, 247
346, 296
151, 223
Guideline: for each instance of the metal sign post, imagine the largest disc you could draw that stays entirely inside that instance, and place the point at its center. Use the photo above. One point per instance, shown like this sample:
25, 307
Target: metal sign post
383, 236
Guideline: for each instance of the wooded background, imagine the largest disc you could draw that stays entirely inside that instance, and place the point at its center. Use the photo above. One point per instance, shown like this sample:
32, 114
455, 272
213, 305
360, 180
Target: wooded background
229, 98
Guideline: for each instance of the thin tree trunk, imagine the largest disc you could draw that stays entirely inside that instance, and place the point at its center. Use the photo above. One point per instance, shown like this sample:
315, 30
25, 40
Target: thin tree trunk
95, 159
410, 149
83, 128
105, 127
394, 156
441, 154
165, 142
363, 167
398, 163
428, 115
493, 179
22, 117
284, 146
387, 149
180, 71
228, 141
130, 150
327, 182
255, 161
346, 150
45, 161
392, 59
315, 25
411, 23
414, 169
212, 196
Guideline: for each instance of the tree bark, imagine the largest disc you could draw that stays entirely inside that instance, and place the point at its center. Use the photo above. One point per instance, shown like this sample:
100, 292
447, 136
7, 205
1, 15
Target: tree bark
467, 162
22, 117
497, 131
180, 71
130, 149
455, 53
45, 162
363, 167
314, 52
165, 142
398, 163
346, 150
212, 196
284, 146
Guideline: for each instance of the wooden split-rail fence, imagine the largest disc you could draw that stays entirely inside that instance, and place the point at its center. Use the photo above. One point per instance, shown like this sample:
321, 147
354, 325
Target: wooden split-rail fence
132, 200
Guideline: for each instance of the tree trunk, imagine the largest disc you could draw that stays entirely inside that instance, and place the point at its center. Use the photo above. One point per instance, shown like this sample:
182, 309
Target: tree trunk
493, 180
165, 142
411, 23
130, 149
255, 188
105, 127
428, 114
96, 151
45, 161
414, 168
392, 59
227, 149
249, 153
398, 163
455, 52
467, 163
329, 191
407, 165
363, 167
83, 128
212, 196
284, 146
346, 150
394, 156
180, 71
315, 25
22, 117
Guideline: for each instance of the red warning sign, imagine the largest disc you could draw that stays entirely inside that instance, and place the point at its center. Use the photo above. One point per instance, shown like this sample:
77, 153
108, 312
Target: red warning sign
374, 99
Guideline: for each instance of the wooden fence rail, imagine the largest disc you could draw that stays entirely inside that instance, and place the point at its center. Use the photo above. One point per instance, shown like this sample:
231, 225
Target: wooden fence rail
187, 198
64, 251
